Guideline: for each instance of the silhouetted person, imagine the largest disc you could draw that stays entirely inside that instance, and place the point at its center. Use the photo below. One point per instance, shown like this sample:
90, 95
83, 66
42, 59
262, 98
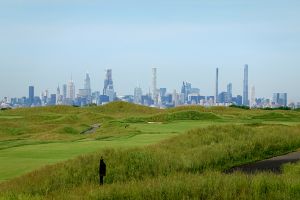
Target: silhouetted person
102, 170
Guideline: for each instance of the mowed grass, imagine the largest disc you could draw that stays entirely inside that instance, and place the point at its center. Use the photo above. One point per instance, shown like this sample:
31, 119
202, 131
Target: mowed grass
19, 160
179, 126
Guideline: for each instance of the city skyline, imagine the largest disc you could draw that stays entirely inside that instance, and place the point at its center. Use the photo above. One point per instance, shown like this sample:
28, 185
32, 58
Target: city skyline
43, 43
107, 77
159, 96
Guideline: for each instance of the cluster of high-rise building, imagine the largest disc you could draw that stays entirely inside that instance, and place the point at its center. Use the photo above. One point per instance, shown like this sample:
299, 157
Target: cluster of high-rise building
156, 97
66, 95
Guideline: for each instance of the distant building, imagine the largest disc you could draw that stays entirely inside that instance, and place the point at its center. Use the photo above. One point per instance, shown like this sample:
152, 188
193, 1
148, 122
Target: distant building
64, 91
238, 100
103, 99
253, 100
217, 87
228, 98
127, 98
87, 85
245, 90
223, 97
154, 86
52, 100
210, 101
175, 98
85, 93
280, 99
138, 93
185, 91
108, 89
31, 95
162, 92
147, 100
59, 97
71, 90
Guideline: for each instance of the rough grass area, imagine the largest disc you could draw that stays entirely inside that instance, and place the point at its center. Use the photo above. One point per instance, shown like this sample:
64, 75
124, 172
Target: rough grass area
208, 186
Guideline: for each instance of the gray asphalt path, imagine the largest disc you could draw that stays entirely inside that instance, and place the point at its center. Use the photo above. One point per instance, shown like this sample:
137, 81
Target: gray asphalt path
92, 129
271, 165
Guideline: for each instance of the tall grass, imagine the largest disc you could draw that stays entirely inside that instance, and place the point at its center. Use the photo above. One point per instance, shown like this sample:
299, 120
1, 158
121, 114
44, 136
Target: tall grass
210, 185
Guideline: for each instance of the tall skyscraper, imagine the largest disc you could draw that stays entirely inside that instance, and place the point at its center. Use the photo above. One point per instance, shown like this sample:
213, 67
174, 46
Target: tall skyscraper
154, 86
87, 84
31, 95
59, 97
71, 90
252, 100
65, 91
185, 91
245, 90
217, 86
108, 89
175, 98
229, 93
108, 82
138, 93
85, 93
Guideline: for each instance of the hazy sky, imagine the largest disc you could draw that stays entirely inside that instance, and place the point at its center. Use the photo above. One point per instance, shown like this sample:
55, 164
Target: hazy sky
43, 42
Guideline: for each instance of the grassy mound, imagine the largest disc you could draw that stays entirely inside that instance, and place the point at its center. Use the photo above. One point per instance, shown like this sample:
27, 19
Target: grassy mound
276, 116
173, 116
123, 109
183, 115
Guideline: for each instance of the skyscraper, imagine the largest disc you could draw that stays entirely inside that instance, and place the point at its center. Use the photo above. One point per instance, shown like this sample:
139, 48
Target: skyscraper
185, 91
58, 96
31, 95
229, 93
71, 90
245, 90
138, 93
108, 82
65, 91
217, 86
108, 89
154, 86
87, 84
85, 94
252, 100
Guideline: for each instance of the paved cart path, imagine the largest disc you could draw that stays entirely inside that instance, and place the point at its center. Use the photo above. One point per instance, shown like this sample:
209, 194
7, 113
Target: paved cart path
92, 129
272, 164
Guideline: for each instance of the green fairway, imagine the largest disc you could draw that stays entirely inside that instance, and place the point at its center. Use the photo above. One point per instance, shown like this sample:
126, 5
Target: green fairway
174, 127
16, 161
10, 117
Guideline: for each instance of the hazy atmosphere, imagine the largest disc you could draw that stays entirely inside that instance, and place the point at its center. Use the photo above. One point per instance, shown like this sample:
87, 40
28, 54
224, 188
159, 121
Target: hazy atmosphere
43, 43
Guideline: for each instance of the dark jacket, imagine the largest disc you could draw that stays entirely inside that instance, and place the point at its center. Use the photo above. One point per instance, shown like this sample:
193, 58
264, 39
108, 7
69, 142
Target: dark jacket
102, 168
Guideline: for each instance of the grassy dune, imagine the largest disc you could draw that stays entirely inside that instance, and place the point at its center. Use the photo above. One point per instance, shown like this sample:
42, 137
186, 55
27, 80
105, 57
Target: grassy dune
189, 149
